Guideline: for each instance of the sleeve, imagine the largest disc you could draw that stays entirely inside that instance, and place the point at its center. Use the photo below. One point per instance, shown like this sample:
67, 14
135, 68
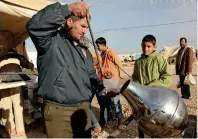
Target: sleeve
189, 60
25, 63
115, 58
165, 78
44, 25
97, 84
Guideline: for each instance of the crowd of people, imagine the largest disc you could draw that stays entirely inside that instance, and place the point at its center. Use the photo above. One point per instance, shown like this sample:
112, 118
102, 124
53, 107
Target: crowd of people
69, 76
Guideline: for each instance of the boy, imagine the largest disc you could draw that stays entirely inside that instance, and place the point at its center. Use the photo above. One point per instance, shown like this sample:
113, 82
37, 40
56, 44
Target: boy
111, 74
11, 64
151, 68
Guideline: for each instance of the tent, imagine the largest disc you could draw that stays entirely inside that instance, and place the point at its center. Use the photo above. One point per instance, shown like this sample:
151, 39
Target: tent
171, 51
14, 15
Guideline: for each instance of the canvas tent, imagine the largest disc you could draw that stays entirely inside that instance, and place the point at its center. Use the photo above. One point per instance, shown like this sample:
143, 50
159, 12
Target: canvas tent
171, 51
14, 15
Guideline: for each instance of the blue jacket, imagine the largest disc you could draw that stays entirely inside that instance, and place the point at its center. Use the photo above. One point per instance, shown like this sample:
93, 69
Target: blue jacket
66, 76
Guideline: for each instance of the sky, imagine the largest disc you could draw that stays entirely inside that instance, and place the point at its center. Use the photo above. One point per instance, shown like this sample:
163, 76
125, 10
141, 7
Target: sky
117, 14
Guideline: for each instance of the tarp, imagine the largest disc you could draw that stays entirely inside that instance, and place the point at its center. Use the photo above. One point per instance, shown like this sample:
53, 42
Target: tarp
171, 51
14, 15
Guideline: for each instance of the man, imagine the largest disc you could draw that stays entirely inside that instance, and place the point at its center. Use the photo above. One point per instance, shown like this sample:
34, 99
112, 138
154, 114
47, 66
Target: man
66, 79
110, 76
184, 64
12, 98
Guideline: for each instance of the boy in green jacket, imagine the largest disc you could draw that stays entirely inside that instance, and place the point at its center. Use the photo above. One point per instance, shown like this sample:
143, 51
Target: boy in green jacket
151, 68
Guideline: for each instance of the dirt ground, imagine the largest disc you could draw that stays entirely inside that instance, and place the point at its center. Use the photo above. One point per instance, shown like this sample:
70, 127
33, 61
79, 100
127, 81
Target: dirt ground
36, 130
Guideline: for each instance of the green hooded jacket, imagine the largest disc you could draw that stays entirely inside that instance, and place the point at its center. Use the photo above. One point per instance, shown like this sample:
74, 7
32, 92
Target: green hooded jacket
152, 70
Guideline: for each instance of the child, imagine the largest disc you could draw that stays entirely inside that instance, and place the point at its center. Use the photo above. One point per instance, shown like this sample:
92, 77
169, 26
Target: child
151, 68
110, 76
11, 65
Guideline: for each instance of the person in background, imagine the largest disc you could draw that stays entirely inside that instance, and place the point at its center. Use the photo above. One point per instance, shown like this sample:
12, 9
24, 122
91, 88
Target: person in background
12, 98
84, 45
151, 68
184, 65
110, 76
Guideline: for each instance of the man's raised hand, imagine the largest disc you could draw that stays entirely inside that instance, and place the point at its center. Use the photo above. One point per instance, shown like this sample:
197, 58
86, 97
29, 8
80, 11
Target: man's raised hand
79, 9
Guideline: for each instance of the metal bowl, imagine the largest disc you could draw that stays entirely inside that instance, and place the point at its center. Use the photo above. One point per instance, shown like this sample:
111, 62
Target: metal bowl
159, 111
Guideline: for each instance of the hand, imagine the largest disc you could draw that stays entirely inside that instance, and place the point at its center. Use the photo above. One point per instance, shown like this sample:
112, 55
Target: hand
79, 9
111, 92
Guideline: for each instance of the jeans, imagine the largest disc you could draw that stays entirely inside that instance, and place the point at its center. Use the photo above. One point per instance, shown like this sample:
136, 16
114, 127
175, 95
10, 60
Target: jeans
12, 109
104, 103
116, 106
185, 89
108, 105
94, 121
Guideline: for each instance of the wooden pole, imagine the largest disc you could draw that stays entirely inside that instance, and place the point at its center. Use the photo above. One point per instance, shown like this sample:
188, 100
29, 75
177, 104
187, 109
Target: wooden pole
93, 41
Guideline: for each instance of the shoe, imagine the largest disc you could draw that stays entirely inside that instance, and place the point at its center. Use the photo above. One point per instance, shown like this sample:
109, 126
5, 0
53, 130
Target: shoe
12, 132
4, 136
96, 131
19, 136
185, 97
22, 133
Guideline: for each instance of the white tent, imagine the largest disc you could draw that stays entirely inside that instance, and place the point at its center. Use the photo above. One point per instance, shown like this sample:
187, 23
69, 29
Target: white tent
33, 58
14, 15
171, 51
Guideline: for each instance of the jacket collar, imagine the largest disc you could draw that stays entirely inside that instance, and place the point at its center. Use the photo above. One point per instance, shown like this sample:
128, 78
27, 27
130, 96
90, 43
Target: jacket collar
149, 56
105, 52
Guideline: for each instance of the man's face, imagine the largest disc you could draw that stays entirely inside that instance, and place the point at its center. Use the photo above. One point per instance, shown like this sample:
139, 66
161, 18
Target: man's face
183, 43
148, 48
77, 28
101, 47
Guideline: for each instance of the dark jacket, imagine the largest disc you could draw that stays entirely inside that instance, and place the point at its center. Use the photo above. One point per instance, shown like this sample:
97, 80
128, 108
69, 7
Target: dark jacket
12, 62
186, 61
65, 76
10, 67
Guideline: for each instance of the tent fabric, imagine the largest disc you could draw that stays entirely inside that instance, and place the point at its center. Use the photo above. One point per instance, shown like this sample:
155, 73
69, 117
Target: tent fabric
30, 4
22, 51
171, 51
14, 16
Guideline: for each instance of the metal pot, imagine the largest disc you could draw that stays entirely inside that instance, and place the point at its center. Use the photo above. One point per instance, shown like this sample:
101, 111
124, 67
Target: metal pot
159, 111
